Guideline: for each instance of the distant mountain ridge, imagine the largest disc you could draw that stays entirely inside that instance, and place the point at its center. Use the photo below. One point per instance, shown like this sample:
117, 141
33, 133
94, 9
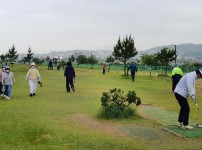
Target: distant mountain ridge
188, 50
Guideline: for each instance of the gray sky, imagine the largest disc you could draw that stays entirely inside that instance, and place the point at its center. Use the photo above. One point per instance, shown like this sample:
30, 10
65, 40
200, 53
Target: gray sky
60, 25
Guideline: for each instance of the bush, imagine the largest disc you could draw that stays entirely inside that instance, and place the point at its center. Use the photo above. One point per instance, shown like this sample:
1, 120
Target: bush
117, 105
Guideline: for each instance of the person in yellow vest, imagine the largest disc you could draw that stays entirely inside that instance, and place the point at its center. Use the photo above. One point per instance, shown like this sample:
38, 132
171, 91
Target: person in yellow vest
34, 77
176, 76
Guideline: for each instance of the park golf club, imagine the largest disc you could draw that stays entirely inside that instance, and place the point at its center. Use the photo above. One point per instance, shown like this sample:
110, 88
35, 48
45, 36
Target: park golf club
197, 124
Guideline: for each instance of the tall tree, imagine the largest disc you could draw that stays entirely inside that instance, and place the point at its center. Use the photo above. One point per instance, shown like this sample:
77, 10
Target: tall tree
149, 59
81, 59
12, 55
71, 58
3, 58
124, 50
165, 57
92, 60
110, 60
29, 56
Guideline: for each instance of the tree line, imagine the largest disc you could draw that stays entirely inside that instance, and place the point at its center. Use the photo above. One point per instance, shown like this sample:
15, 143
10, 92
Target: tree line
123, 51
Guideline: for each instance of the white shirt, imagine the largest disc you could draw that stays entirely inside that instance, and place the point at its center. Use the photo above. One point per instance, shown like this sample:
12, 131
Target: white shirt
186, 85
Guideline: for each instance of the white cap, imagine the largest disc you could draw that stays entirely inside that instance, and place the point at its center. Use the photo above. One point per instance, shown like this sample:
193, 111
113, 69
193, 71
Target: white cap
33, 64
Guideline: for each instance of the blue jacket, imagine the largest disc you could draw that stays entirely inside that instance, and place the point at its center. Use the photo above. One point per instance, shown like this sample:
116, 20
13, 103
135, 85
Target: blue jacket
132, 68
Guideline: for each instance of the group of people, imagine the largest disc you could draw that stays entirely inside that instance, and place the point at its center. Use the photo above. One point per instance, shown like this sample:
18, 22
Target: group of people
33, 77
183, 86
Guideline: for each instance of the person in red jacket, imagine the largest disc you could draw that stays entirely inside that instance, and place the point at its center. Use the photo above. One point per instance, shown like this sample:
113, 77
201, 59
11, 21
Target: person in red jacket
103, 68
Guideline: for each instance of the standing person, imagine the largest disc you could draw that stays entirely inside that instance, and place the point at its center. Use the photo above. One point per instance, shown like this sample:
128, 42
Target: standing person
69, 74
103, 68
50, 65
185, 88
1, 80
133, 70
8, 80
33, 76
176, 76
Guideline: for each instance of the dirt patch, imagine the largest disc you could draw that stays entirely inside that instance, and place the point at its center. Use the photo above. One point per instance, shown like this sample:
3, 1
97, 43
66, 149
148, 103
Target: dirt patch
106, 127
131, 131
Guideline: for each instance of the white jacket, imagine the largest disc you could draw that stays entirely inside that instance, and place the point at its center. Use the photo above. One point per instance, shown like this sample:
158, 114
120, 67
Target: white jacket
186, 85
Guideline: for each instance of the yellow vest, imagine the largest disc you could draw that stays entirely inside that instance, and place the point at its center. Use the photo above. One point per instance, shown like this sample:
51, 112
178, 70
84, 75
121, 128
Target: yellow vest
177, 70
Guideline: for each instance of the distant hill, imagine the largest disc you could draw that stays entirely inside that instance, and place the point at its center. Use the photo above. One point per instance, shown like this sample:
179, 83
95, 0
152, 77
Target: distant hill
183, 50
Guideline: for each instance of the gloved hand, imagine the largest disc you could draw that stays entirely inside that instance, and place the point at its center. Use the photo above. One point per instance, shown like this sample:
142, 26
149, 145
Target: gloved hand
193, 98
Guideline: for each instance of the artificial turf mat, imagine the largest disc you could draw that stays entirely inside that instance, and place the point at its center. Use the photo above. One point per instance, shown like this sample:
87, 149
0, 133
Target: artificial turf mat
195, 133
169, 119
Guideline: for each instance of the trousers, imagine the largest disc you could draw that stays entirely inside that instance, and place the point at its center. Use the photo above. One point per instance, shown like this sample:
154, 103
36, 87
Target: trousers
32, 86
184, 110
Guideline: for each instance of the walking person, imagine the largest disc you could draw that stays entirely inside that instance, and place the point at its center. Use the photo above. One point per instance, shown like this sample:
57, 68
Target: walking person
8, 80
34, 77
1, 80
50, 65
133, 70
69, 74
103, 68
185, 88
176, 76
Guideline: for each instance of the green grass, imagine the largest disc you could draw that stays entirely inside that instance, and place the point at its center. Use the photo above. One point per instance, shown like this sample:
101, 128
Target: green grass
47, 120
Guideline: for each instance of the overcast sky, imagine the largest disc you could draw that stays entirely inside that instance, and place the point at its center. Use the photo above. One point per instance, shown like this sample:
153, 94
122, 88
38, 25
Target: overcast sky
60, 25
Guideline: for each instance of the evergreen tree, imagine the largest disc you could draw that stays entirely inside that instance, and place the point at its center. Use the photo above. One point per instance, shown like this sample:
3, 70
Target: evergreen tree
81, 59
92, 60
12, 55
149, 59
165, 57
110, 60
29, 56
3, 58
71, 58
124, 50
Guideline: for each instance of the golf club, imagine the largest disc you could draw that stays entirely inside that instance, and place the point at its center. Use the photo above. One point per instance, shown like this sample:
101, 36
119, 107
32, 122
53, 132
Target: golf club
197, 124
198, 108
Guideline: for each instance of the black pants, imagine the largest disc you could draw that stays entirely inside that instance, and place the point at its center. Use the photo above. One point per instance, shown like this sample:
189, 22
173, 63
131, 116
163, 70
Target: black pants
69, 82
1, 86
184, 111
133, 76
175, 81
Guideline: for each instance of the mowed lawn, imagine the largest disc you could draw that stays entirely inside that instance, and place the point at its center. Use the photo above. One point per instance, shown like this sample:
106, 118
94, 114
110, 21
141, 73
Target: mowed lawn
55, 119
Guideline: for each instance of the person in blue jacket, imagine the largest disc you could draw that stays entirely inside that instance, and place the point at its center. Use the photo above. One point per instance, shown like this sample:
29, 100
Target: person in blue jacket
133, 70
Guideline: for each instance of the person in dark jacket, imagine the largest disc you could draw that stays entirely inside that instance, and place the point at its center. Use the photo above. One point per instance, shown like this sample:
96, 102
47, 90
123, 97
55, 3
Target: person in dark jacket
176, 76
133, 70
69, 74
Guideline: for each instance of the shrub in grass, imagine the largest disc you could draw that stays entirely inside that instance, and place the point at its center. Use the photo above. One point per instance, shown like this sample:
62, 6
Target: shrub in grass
117, 105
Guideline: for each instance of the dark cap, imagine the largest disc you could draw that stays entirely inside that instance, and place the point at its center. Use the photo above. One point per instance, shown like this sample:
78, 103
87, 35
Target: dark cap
199, 71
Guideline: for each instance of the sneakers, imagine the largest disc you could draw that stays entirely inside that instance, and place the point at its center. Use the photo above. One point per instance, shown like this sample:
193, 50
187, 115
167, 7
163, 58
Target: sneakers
187, 127
179, 124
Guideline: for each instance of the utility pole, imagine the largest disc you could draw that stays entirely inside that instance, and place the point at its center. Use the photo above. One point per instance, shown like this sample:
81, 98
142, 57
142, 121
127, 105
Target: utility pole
175, 54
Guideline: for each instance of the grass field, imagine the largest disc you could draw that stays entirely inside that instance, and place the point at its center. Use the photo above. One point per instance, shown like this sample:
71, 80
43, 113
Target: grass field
55, 119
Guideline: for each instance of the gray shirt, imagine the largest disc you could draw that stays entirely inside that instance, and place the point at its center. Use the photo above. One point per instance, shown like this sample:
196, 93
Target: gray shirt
8, 78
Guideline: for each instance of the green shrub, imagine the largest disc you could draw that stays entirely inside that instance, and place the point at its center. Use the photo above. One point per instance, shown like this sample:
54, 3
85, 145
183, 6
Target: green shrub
117, 105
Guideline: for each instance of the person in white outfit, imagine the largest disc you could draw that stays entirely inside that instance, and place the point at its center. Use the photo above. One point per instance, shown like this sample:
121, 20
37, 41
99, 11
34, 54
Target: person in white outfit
185, 88
33, 76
